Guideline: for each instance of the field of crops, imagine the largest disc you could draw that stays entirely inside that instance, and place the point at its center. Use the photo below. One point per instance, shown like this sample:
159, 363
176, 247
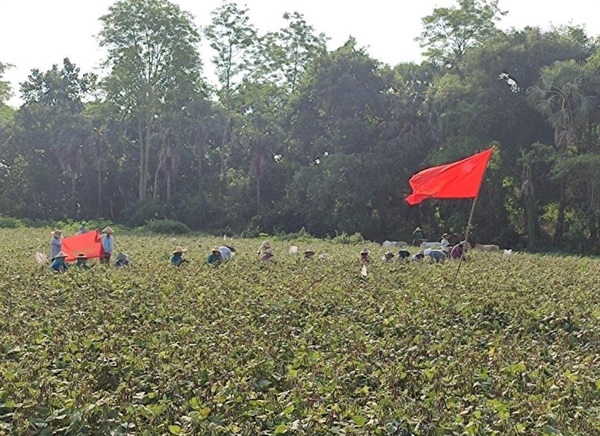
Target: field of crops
297, 346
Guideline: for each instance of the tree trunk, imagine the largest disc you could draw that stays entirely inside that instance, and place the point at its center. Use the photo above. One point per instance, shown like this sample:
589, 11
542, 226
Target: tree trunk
147, 156
99, 205
168, 185
155, 189
560, 219
142, 180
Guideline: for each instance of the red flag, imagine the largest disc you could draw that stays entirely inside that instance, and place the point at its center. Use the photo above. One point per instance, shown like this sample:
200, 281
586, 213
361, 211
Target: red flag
87, 243
460, 179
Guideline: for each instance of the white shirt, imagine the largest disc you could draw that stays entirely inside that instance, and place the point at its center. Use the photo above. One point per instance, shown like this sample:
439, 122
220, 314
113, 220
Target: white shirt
226, 253
445, 246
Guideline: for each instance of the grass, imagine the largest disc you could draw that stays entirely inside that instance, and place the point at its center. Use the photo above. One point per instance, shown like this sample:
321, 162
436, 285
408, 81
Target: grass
297, 346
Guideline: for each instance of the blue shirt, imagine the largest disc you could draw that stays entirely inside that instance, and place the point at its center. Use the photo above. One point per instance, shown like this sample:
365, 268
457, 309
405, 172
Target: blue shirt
55, 247
59, 265
108, 243
177, 259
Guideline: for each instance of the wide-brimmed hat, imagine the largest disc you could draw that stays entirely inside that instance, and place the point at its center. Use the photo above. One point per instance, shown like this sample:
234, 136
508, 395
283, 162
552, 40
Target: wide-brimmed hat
179, 250
216, 250
389, 253
108, 230
60, 254
266, 244
56, 232
309, 251
121, 256
445, 235
81, 256
364, 251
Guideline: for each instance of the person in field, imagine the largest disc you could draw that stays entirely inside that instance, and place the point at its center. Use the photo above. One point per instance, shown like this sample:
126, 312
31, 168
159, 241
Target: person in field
177, 259
81, 261
215, 257
108, 245
226, 252
436, 255
82, 228
364, 256
58, 264
55, 243
457, 251
418, 236
388, 257
445, 243
266, 245
121, 260
267, 255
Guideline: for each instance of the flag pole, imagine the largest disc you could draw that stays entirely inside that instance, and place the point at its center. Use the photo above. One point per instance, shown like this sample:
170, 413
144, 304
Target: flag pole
462, 255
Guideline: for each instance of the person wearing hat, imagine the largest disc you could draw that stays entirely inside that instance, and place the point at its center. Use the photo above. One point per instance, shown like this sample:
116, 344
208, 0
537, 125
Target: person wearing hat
55, 243
388, 256
122, 260
82, 228
266, 245
308, 253
215, 257
364, 256
58, 262
226, 252
267, 255
108, 244
445, 243
418, 236
459, 251
81, 261
177, 258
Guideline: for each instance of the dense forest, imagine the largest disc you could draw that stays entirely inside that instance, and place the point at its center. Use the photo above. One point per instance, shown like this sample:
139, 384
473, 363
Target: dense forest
294, 135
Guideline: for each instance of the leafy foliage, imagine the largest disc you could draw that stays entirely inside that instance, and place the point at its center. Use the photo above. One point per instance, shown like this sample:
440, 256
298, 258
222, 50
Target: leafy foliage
298, 346
167, 226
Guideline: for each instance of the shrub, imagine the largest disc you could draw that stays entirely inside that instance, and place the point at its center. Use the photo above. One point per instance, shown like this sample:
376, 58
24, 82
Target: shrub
9, 223
346, 239
167, 227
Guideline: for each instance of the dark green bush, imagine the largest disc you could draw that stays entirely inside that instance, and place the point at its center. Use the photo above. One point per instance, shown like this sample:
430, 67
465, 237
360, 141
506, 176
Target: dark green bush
9, 223
167, 226
346, 239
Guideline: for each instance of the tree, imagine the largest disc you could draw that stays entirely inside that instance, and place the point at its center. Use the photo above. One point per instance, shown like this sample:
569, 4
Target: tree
154, 64
52, 117
235, 42
288, 52
449, 31
561, 97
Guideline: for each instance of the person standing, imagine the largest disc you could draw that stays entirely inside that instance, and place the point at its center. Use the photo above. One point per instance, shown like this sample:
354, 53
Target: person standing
445, 243
55, 243
418, 236
108, 245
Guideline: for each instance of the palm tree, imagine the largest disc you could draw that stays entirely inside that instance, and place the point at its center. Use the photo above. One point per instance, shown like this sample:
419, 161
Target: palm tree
561, 96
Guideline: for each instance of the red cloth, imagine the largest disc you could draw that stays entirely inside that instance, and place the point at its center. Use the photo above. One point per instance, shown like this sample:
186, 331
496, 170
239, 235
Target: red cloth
87, 243
460, 179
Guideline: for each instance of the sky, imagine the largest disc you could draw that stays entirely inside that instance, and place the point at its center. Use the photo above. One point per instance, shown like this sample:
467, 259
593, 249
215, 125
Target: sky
40, 33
